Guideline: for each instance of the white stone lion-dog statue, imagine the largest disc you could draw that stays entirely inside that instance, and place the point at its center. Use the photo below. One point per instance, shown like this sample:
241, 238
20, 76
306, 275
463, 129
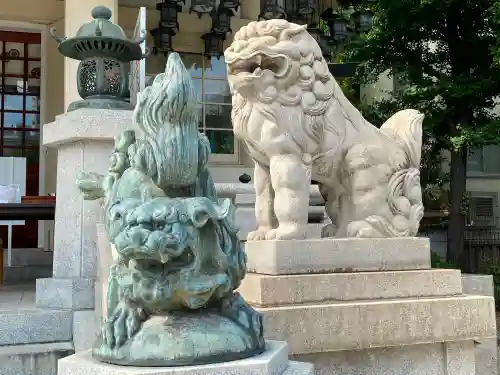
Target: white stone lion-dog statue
298, 125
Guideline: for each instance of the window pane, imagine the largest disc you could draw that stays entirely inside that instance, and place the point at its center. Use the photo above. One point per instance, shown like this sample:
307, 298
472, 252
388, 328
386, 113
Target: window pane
13, 138
32, 121
34, 68
32, 139
218, 116
221, 142
14, 50
14, 67
13, 102
475, 161
217, 91
12, 120
491, 157
34, 86
13, 85
215, 68
34, 51
32, 103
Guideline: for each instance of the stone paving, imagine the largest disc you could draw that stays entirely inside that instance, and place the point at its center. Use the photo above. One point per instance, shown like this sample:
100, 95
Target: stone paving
17, 296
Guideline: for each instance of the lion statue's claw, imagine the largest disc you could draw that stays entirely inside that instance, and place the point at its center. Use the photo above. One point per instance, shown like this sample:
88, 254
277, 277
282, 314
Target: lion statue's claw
328, 231
258, 235
287, 232
124, 323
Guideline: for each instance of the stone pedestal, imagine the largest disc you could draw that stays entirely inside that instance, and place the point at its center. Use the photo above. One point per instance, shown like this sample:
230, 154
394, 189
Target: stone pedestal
84, 140
272, 362
366, 306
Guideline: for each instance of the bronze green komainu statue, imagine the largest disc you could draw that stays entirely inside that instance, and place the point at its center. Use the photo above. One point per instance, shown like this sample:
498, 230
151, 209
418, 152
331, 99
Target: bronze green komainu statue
171, 299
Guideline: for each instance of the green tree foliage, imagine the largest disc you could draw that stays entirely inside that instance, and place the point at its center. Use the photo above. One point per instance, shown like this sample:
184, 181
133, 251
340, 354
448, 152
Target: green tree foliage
442, 51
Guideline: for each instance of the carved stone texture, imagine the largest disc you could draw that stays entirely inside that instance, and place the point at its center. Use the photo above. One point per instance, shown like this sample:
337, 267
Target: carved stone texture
171, 299
298, 125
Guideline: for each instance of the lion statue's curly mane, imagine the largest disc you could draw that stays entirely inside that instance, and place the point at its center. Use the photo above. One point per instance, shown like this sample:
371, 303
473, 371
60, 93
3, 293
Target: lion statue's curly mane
297, 124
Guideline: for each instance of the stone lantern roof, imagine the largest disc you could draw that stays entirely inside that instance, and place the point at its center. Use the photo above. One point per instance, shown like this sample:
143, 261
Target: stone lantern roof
100, 38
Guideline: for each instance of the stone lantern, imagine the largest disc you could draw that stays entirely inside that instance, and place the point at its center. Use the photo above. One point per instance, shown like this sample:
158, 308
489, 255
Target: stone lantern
105, 54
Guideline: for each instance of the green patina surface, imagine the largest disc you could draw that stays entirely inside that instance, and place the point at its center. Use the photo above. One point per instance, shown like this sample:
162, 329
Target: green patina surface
171, 298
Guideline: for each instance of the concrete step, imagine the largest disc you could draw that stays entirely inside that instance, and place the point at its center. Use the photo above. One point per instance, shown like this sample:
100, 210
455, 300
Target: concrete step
360, 325
33, 359
24, 325
280, 290
29, 257
22, 274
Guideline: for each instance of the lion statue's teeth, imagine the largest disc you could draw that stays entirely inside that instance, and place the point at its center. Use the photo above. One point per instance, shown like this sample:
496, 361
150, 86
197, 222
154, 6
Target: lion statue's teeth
287, 105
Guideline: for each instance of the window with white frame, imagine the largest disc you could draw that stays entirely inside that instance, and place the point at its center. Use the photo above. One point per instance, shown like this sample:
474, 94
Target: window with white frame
214, 100
484, 160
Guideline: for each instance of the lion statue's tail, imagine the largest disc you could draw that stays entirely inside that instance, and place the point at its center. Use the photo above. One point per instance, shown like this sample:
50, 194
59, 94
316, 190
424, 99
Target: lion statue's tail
403, 194
405, 128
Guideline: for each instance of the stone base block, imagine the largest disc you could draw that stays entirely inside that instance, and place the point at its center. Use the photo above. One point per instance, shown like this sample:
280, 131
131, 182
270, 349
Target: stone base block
486, 356
272, 362
33, 359
448, 358
272, 290
86, 328
340, 326
59, 293
33, 326
328, 255
478, 284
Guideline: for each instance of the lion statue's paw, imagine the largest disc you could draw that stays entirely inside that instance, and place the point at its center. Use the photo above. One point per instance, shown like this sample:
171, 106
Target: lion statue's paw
328, 231
258, 235
125, 322
287, 232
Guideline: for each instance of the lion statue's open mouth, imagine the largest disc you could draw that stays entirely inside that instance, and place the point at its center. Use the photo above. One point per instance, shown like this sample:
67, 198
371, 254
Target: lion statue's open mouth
156, 243
259, 62
255, 64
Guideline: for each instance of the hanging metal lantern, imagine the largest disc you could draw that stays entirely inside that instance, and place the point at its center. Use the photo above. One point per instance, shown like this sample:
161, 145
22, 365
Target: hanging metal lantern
271, 9
169, 12
300, 11
201, 7
363, 20
214, 43
163, 39
339, 28
105, 54
230, 4
221, 20
306, 7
